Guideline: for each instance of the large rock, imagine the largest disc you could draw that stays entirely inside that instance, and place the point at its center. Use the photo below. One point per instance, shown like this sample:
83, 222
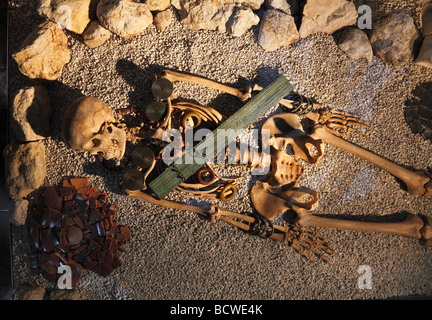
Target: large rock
226, 15
277, 29
61, 294
424, 57
18, 209
162, 19
96, 35
355, 43
327, 16
29, 293
124, 17
241, 20
25, 168
426, 19
281, 5
393, 37
158, 5
292, 7
31, 113
73, 15
253, 4
44, 52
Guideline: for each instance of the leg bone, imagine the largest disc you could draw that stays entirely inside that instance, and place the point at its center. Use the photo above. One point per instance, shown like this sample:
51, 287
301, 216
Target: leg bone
412, 226
416, 181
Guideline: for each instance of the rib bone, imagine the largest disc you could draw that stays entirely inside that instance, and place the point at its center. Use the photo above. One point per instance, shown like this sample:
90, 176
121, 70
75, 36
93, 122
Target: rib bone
243, 94
415, 181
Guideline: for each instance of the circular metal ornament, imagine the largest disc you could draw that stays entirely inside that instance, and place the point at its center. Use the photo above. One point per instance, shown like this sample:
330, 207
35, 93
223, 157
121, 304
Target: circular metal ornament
191, 120
206, 176
162, 88
155, 110
228, 192
133, 179
142, 157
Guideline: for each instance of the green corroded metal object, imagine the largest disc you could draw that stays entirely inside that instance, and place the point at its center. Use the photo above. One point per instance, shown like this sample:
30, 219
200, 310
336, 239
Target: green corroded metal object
241, 120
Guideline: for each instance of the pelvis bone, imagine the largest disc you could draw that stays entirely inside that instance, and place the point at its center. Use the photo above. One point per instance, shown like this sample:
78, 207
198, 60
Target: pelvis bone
88, 125
271, 202
285, 130
275, 196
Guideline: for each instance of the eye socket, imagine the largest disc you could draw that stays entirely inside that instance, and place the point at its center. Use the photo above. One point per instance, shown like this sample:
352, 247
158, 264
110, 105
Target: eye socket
109, 129
96, 142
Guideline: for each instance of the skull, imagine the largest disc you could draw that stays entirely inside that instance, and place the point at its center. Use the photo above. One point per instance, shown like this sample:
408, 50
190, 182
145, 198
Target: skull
88, 125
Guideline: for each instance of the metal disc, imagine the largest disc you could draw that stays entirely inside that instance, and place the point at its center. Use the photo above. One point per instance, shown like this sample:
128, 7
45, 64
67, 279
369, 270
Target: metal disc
142, 157
133, 179
162, 88
155, 110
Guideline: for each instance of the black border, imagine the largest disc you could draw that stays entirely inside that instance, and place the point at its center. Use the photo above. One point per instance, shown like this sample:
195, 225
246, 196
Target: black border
6, 280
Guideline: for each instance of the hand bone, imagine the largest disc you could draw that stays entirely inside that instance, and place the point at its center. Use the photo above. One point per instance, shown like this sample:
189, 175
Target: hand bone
338, 120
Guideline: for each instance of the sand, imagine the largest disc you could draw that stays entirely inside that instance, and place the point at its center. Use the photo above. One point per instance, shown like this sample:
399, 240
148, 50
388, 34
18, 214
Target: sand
179, 255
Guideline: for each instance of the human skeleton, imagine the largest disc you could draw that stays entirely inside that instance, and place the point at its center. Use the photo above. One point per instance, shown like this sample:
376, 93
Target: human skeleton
278, 192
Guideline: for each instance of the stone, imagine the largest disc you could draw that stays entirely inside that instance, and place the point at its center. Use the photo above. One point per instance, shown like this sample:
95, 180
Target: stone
162, 19
281, 5
29, 293
277, 29
158, 5
216, 15
96, 35
18, 211
205, 15
253, 4
25, 168
424, 57
44, 52
176, 4
73, 15
61, 294
426, 19
355, 43
241, 21
393, 36
124, 17
327, 16
31, 113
